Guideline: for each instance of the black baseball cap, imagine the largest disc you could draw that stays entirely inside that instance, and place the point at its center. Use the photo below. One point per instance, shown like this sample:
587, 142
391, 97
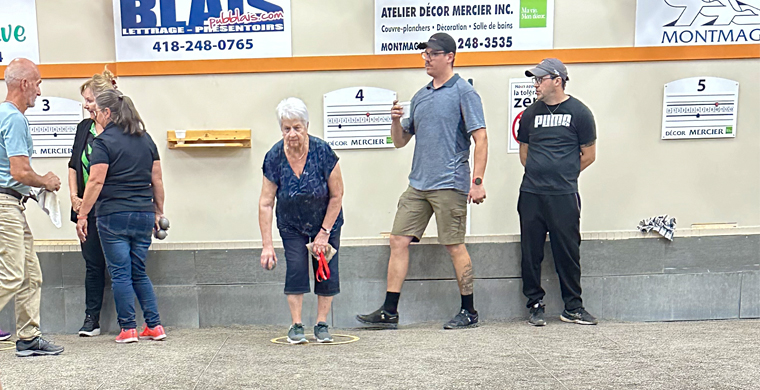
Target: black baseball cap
549, 66
440, 41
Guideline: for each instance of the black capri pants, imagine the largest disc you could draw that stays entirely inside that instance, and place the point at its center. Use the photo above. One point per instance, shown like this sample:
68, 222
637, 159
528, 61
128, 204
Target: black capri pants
297, 263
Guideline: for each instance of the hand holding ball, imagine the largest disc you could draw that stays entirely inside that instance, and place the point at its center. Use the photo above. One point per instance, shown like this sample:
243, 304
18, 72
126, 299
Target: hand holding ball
268, 258
163, 223
163, 226
161, 234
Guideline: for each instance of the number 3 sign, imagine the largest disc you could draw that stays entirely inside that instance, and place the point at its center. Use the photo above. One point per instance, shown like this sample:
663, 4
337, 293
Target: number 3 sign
53, 124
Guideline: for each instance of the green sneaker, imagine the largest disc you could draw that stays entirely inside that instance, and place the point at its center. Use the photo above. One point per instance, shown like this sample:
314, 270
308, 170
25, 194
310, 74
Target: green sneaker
296, 335
321, 333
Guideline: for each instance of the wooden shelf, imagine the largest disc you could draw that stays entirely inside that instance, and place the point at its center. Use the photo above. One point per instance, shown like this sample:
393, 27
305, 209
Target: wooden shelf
210, 139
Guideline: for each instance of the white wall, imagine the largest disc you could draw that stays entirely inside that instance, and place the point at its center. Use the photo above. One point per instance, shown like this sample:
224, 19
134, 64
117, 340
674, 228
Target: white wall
212, 194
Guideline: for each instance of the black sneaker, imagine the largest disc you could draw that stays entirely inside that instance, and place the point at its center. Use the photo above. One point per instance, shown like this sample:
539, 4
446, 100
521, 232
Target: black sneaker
537, 315
36, 346
464, 319
91, 327
580, 316
379, 318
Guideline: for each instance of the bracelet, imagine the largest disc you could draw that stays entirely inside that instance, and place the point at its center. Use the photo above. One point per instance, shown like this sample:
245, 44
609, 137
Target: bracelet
81, 217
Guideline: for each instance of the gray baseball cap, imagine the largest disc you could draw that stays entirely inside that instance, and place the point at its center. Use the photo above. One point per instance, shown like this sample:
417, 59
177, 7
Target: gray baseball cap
549, 66
440, 41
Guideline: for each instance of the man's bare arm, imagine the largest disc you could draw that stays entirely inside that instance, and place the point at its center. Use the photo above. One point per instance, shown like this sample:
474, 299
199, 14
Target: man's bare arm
588, 154
22, 172
523, 153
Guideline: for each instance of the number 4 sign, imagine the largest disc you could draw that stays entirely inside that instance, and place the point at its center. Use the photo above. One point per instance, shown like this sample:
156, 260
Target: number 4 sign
358, 118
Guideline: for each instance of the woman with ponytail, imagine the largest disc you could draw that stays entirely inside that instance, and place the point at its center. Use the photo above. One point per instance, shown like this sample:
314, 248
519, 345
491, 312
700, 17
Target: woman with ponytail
79, 172
126, 182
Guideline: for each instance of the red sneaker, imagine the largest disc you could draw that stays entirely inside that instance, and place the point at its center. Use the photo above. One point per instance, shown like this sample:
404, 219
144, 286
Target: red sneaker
127, 336
156, 333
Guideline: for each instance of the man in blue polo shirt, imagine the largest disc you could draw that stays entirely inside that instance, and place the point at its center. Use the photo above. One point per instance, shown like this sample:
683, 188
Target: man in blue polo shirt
443, 116
20, 273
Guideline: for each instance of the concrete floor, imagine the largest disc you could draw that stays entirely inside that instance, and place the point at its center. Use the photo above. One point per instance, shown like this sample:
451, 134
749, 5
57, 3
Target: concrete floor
498, 355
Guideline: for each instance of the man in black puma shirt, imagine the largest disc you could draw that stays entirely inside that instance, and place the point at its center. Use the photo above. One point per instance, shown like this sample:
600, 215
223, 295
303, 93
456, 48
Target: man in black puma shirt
557, 138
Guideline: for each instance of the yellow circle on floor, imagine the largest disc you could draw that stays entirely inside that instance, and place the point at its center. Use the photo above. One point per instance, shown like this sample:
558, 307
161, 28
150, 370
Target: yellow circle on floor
338, 339
11, 345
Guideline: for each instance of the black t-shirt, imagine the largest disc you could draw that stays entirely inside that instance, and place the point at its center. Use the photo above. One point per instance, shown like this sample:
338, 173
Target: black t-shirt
554, 135
130, 166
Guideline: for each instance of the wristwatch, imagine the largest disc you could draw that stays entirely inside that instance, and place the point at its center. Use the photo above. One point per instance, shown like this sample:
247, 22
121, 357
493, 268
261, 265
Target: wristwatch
477, 181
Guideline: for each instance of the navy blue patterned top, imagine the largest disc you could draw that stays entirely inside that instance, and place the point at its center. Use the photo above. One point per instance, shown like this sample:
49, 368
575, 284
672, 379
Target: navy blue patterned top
302, 202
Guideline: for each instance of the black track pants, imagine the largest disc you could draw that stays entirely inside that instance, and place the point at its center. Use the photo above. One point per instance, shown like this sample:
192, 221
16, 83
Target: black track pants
559, 215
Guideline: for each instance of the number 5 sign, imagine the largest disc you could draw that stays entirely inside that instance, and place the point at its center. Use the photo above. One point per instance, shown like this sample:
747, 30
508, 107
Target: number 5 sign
358, 118
700, 107
522, 94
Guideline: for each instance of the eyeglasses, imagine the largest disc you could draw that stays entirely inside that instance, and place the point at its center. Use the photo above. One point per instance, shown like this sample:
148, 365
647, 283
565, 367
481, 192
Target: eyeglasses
286, 130
430, 55
539, 80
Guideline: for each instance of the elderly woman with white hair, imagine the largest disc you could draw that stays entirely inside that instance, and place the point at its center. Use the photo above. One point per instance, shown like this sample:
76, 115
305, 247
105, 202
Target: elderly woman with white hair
302, 173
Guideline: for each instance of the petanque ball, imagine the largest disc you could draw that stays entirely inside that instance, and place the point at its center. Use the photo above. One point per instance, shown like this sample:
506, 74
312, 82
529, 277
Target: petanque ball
272, 264
163, 223
161, 234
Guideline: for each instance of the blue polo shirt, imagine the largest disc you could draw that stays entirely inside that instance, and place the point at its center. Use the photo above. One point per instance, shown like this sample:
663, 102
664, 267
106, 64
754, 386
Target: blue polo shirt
442, 120
15, 140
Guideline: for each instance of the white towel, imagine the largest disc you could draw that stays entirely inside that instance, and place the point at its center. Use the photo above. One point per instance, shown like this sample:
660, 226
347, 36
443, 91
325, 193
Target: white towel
328, 255
661, 224
48, 202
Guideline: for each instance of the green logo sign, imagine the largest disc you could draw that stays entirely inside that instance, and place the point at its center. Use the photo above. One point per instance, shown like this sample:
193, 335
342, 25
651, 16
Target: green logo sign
729, 130
16, 33
532, 13
389, 140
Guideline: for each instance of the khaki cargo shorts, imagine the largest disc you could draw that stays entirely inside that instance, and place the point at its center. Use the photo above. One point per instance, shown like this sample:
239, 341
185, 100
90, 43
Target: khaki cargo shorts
416, 207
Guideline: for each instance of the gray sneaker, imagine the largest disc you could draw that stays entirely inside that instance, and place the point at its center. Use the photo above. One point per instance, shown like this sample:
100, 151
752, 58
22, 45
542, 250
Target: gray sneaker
36, 346
322, 334
295, 334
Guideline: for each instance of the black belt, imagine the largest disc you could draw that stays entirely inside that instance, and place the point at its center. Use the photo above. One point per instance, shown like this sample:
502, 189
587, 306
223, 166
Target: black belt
13, 193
